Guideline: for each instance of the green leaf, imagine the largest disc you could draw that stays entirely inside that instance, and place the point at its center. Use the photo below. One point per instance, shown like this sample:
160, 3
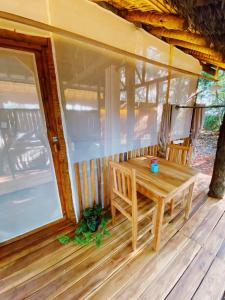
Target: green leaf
98, 243
82, 227
63, 239
77, 240
88, 212
97, 210
106, 232
91, 223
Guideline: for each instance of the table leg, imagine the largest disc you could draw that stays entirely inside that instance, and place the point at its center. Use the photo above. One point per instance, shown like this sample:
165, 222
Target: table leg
158, 224
189, 201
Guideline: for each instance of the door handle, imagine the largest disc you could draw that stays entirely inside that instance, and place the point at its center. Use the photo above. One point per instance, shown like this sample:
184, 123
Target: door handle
55, 141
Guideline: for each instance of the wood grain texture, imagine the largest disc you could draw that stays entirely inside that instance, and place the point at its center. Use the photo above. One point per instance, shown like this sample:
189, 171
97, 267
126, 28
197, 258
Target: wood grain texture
124, 199
41, 268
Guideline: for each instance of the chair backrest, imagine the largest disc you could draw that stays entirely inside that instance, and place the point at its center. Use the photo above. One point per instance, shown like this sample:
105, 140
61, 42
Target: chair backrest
179, 154
123, 182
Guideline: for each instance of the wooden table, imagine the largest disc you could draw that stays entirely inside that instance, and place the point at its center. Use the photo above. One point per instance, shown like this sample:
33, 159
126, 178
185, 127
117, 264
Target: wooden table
163, 186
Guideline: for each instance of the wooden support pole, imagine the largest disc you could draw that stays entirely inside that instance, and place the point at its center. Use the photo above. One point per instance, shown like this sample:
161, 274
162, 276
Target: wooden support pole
193, 38
201, 49
217, 185
168, 21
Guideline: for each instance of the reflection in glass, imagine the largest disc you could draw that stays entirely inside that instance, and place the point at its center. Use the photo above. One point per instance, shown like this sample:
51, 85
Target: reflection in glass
28, 191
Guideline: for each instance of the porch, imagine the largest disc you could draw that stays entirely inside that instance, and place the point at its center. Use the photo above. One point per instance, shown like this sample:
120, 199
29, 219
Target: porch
190, 264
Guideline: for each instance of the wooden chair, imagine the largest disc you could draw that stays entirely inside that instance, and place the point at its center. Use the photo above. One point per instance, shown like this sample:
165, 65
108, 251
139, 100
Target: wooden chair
125, 199
181, 155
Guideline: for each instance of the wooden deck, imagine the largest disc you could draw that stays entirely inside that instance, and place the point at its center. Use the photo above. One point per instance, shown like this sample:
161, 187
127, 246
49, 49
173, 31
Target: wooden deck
191, 265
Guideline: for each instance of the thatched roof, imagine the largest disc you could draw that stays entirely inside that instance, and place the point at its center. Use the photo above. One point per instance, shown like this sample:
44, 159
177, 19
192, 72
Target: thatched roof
195, 26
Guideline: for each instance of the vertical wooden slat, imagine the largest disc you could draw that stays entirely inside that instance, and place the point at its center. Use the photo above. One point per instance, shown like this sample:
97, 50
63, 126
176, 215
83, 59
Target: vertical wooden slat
85, 183
78, 185
129, 154
134, 210
104, 172
99, 177
145, 151
123, 184
92, 175
115, 179
116, 158
120, 157
125, 156
129, 187
119, 181
109, 177
138, 152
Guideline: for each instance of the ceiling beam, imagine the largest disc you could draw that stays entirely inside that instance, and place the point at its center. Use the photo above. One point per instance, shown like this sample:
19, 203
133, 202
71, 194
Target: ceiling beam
198, 48
168, 21
206, 58
192, 38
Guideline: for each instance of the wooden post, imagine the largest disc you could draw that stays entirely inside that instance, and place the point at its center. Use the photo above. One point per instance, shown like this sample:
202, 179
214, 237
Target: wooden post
217, 185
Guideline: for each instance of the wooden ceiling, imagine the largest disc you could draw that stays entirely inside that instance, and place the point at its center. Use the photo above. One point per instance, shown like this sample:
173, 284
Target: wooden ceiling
159, 19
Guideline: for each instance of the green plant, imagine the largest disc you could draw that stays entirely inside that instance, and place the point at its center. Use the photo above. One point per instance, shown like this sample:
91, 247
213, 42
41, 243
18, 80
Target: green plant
91, 228
212, 122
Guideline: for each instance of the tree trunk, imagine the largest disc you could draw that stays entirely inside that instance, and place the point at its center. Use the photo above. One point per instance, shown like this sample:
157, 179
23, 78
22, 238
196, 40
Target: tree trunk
217, 185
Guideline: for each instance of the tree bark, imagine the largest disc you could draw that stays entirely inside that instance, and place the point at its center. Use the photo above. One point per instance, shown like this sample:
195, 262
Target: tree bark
217, 185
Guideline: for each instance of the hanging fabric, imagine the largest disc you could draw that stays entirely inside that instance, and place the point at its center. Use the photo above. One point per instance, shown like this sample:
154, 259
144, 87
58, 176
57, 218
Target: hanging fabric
197, 122
164, 134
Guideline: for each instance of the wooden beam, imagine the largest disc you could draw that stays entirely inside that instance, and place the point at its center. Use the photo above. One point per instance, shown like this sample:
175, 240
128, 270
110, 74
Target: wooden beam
198, 48
193, 38
206, 58
53, 29
168, 21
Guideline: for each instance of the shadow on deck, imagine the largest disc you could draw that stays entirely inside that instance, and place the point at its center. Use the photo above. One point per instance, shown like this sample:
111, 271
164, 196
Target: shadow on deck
191, 263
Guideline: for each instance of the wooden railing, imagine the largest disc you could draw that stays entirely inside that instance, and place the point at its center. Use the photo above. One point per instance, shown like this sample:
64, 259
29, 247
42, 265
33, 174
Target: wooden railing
185, 141
92, 177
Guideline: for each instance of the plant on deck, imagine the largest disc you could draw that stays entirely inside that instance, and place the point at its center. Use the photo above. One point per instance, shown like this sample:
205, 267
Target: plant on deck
91, 228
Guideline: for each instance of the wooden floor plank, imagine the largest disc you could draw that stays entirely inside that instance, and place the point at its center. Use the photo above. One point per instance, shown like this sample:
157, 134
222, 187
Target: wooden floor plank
130, 272
198, 217
221, 252
166, 280
216, 237
98, 275
213, 285
84, 265
185, 267
37, 239
191, 279
207, 225
14, 255
66, 258
137, 284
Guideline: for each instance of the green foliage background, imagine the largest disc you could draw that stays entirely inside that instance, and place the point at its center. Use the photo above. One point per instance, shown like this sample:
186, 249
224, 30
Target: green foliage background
213, 116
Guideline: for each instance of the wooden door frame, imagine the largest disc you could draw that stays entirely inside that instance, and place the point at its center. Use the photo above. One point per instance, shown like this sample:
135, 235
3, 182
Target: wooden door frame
42, 49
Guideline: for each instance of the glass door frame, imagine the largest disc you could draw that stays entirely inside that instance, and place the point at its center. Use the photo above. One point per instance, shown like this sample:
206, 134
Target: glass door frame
42, 50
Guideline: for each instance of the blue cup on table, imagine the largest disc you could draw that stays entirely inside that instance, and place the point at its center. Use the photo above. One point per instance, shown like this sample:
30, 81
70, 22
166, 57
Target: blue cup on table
154, 168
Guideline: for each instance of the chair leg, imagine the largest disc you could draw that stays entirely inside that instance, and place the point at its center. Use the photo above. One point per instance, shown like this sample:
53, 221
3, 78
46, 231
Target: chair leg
171, 209
134, 234
113, 213
189, 201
